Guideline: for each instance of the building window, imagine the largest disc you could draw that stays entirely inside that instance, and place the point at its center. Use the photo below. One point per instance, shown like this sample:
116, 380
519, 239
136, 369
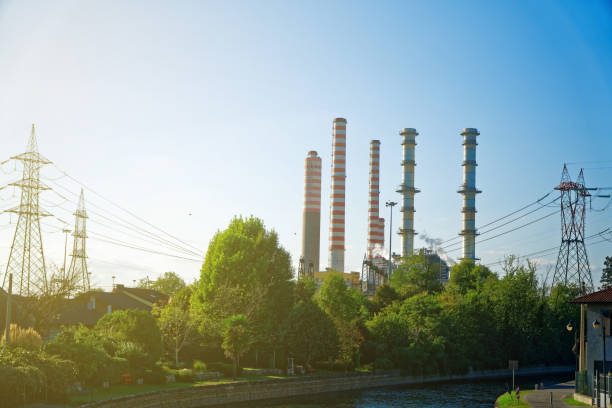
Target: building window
109, 309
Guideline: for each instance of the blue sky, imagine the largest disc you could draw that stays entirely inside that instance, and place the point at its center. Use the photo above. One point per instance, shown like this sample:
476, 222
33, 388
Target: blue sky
209, 108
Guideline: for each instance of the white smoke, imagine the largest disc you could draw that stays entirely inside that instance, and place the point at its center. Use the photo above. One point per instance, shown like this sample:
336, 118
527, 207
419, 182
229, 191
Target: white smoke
379, 250
434, 245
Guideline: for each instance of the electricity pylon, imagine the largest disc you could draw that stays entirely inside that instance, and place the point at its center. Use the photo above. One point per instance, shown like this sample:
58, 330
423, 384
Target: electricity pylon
573, 263
77, 273
27, 260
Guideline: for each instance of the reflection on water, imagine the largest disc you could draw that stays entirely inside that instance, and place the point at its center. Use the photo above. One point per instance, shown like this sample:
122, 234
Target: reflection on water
450, 395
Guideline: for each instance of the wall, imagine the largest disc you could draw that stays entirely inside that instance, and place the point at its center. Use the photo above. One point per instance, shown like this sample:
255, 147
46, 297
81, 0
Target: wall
267, 389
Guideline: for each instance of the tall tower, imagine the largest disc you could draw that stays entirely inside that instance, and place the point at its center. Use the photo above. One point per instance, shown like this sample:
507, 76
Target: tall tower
27, 260
375, 232
407, 190
338, 180
77, 273
572, 261
311, 221
469, 191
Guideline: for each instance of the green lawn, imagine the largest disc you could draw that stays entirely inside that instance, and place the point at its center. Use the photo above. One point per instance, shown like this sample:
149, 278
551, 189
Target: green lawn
572, 401
506, 400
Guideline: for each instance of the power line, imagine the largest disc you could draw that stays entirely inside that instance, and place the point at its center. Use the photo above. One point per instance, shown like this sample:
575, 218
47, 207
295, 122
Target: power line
129, 226
503, 217
127, 211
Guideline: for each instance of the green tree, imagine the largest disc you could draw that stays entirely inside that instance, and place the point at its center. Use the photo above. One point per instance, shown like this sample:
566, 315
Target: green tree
176, 322
246, 271
345, 306
606, 273
467, 276
133, 326
236, 339
384, 296
416, 274
169, 284
309, 333
305, 289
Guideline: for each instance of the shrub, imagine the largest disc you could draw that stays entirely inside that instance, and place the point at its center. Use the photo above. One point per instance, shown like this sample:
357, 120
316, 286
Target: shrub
25, 338
184, 375
91, 362
29, 376
156, 375
383, 363
138, 358
199, 366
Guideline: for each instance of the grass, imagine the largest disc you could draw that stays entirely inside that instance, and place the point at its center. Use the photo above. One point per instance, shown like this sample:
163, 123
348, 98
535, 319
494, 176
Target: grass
572, 401
506, 400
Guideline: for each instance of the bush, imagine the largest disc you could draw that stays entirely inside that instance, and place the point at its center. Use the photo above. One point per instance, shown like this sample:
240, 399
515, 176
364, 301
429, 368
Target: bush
30, 376
199, 366
25, 338
224, 368
156, 375
184, 375
91, 362
383, 363
138, 358
116, 366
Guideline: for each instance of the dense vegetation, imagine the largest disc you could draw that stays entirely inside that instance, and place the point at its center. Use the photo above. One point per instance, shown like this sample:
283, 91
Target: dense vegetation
246, 309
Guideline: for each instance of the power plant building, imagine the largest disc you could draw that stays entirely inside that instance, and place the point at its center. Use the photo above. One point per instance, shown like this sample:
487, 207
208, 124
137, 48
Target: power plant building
376, 225
469, 191
337, 207
311, 221
407, 190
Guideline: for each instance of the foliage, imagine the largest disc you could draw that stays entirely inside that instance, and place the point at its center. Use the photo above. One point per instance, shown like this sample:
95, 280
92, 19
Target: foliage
176, 323
606, 273
25, 338
309, 333
91, 361
236, 338
199, 366
246, 272
467, 276
133, 326
305, 289
346, 307
169, 284
39, 376
417, 273
384, 296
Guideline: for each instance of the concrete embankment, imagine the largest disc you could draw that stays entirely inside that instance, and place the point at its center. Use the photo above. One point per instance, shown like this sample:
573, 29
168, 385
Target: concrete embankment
219, 394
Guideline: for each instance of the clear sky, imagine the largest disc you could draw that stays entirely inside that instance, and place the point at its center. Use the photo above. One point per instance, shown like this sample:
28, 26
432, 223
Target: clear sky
209, 108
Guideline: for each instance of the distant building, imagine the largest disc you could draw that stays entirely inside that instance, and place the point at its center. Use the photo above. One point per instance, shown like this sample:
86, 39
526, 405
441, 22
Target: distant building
351, 279
443, 268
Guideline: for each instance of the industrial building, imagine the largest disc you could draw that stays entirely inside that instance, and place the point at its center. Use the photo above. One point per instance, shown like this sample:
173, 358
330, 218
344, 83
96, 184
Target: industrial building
468, 190
311, 220
337, 206
407, 190
375, 265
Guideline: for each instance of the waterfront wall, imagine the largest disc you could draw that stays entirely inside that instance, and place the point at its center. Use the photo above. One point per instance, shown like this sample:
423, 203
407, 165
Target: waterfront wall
218, 394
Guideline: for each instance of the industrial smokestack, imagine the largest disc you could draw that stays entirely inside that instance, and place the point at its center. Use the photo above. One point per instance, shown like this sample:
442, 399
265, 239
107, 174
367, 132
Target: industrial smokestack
407, 190
311, 221
469, 191
375, 234
338, 178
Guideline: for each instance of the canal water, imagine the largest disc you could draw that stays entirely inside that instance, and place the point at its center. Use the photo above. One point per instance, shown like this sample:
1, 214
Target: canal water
449, 395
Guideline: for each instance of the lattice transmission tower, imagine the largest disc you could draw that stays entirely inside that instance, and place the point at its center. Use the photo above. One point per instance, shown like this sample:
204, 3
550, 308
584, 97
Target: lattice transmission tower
27, 260
572, 262
77, 272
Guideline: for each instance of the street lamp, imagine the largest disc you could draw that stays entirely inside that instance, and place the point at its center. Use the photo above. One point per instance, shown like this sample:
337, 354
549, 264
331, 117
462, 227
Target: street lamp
390, 204
596, 325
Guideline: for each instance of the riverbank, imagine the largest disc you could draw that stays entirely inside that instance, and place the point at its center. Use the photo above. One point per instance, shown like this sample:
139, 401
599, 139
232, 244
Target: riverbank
228, 393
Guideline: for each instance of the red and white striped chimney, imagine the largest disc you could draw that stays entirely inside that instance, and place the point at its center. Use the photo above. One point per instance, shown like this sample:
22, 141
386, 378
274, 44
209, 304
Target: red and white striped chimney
375, 235
338, 178
311, 222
